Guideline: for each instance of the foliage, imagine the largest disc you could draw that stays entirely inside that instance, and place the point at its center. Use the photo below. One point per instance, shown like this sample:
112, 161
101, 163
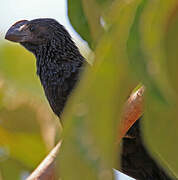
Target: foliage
25, 120
133, 41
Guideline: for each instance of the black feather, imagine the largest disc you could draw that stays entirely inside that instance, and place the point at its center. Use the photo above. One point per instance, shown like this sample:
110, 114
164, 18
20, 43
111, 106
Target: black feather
136, 160
59, 63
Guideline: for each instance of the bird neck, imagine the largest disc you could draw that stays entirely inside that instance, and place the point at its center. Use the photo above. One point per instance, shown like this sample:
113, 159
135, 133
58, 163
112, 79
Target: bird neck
52, 56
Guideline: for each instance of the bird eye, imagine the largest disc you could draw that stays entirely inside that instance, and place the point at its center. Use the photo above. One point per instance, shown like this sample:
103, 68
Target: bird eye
32, 28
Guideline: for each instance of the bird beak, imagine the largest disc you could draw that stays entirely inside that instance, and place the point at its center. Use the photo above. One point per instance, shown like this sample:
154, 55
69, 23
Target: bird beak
16, 32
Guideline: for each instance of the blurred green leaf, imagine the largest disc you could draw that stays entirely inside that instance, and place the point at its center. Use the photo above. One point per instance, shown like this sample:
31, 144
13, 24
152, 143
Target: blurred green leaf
27, 148
147, 55
20, 119
101, 2
94, 13
145, 34
78, 20
161, 119
18, 67
171, 41
89, 149
86, 20
12, 169
24, 116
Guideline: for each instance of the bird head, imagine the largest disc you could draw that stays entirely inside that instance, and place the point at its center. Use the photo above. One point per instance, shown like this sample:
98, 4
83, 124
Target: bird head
37, 32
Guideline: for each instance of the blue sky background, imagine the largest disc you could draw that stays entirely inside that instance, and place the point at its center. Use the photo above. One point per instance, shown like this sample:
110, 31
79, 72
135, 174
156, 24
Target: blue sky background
15, 10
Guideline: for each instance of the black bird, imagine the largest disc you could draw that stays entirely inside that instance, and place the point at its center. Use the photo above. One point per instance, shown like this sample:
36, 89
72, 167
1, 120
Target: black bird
59, 64
58, 59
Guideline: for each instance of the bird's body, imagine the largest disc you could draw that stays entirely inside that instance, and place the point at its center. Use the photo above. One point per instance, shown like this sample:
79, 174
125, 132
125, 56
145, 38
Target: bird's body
59, 64
136, 161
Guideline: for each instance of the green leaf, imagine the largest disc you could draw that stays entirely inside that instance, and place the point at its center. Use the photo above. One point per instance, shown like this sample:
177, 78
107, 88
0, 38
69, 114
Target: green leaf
146, 50
12, 169
18, 68
78, 20
27, 148
161, 118
104, 1
91, 119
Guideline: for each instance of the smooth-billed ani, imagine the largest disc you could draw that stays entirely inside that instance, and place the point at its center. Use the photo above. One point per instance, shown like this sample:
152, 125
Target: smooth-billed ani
58, 59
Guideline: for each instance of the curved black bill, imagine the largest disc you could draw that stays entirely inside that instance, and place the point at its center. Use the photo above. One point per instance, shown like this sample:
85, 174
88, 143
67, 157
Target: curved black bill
15, 32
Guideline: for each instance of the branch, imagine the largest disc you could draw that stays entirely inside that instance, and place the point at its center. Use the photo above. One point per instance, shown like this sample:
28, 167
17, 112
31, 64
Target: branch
45, 171
133, 110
